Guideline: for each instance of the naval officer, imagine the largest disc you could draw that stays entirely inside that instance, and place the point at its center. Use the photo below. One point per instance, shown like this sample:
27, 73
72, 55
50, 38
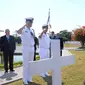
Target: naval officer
27, 38
44, 45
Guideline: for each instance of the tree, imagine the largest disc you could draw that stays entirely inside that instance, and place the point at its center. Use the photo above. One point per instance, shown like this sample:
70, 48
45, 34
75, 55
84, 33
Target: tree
65, 35
79, 35
18, 40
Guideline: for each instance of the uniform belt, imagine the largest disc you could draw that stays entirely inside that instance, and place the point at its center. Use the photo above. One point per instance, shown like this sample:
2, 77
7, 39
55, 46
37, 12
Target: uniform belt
44, 47
29, 45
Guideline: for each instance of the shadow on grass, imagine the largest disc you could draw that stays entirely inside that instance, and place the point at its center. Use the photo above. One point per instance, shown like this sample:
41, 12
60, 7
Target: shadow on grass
48, 79
80, 49
33, 83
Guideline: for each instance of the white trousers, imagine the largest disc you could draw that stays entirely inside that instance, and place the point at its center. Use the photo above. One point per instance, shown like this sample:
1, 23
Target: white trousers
43, 53
28, 55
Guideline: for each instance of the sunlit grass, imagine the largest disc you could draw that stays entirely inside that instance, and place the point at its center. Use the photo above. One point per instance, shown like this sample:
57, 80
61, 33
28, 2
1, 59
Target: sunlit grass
72, 45
71, 75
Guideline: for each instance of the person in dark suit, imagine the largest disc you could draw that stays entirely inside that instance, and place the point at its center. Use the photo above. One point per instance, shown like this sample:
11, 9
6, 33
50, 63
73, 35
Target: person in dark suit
61, 45
36, 43
52, 36
8, 47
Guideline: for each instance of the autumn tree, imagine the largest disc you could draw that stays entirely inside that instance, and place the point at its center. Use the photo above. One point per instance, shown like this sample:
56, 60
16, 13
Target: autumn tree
79, 35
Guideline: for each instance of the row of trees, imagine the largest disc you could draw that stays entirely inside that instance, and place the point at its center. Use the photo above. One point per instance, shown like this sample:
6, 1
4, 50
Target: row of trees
76, 35
64, 34
18, 40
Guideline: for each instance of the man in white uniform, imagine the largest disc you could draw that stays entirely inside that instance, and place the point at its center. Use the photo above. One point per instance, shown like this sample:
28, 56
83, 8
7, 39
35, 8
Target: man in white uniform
44, 45
27, 49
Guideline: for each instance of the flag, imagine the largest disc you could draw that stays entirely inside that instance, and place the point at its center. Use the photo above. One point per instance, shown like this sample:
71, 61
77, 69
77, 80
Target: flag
48, 20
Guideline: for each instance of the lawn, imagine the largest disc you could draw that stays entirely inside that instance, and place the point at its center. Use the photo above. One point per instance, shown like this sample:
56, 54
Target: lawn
65, 45
75, 74
71, 45
71, 75
17, 64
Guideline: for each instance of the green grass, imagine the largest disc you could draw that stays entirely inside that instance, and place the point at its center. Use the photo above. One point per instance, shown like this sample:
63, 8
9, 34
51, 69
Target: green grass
72, 45
75, 74
71, 75
66, 45
18, 44
17, 64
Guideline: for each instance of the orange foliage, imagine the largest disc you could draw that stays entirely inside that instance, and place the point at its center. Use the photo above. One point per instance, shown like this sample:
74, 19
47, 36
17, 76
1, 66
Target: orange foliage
79, 34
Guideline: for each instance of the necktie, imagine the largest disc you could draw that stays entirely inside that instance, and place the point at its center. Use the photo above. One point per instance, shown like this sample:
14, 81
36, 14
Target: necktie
8, 38
32, 33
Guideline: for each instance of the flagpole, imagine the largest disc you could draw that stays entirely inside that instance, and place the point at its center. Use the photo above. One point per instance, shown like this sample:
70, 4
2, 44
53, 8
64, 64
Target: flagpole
48, 21
49, 26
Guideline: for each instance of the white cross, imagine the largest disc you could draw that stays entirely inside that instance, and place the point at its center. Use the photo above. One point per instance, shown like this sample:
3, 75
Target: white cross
54, 63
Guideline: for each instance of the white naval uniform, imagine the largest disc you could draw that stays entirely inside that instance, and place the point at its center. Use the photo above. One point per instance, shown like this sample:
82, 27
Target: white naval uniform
27, 52
44, 45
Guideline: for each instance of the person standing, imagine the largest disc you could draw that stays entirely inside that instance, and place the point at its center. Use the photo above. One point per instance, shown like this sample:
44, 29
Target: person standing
35, 47
8, 47
44, 45
52, 36
27, 37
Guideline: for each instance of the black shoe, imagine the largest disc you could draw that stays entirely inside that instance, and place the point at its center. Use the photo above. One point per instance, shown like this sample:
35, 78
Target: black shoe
6, 72
30, 82
24, 83
12, 70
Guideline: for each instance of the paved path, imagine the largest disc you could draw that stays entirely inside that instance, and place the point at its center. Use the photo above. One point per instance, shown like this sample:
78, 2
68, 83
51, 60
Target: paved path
19, 49
70, 48
10, 77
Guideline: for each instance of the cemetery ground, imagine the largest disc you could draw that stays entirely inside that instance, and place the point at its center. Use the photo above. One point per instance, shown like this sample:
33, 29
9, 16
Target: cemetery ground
72, 45
71, 75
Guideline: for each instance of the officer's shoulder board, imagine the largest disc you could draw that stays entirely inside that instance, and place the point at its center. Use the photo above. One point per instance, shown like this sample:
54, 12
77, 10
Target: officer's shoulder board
24, 31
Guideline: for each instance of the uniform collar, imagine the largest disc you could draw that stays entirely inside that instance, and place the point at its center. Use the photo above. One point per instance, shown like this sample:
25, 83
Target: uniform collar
45, 33
26, 27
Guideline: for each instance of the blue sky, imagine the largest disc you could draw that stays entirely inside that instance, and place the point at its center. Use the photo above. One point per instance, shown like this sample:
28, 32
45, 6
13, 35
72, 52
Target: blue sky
65, 14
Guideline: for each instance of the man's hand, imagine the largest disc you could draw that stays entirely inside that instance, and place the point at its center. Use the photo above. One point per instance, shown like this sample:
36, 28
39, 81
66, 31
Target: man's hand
20, 30
42, 33
44, 30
